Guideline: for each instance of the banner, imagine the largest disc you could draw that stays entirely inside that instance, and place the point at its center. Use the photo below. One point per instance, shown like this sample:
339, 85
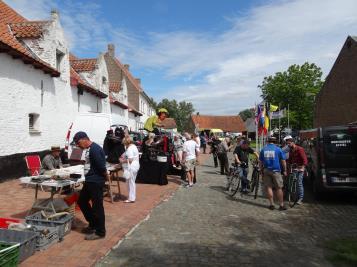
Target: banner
278, 114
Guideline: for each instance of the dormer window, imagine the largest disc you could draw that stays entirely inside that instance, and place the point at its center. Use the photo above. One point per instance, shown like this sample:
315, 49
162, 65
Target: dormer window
59, 58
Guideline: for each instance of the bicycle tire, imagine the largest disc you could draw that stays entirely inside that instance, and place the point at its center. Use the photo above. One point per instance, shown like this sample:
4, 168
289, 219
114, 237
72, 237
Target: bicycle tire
256, 189
253, 182
293, 194
229, 181
235, 185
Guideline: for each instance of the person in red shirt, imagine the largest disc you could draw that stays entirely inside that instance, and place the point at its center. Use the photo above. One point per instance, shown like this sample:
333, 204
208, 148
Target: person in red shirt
298, 157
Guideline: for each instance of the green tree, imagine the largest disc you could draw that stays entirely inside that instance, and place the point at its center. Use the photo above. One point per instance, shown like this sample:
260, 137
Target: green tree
180, 111
296, 88
246, 114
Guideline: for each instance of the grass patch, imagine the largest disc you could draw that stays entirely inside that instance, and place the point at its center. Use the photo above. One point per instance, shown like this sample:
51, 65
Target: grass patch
343, 251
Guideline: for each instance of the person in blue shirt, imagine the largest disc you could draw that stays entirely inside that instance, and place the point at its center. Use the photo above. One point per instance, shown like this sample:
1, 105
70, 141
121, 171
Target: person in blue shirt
95, 173
272, 163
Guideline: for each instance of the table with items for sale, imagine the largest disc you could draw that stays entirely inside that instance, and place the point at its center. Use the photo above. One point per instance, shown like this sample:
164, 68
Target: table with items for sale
55, 182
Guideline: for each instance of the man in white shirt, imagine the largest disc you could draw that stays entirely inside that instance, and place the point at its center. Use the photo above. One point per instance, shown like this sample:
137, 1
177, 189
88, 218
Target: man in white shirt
190, 156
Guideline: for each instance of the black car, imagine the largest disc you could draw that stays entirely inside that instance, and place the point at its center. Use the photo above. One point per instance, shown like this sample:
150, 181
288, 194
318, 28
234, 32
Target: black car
332, 155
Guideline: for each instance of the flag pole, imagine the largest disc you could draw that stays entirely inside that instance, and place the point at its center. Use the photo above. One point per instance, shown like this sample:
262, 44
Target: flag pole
256, 128
279, 125
288, 117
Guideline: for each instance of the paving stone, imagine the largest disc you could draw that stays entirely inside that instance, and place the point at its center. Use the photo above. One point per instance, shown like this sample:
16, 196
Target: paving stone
203, 226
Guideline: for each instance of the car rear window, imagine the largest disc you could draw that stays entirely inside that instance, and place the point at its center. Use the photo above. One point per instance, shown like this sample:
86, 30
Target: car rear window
340, 148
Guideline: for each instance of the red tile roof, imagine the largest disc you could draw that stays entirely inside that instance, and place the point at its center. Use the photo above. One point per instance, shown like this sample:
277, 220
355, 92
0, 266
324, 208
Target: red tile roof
233, 124
30, 29
9, 44
85, 64
169, 123
118, 103
77, 81
114, 87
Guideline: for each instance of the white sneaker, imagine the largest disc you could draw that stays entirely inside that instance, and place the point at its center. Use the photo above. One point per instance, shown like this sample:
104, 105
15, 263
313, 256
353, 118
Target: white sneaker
299, 202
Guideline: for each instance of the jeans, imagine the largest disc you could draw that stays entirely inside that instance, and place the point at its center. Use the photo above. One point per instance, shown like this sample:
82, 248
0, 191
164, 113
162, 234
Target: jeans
243, 173
300, 185
94, 214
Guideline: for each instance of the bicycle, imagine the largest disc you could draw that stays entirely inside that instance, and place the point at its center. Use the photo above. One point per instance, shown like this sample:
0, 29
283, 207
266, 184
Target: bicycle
234, 180
291, 186
254, 182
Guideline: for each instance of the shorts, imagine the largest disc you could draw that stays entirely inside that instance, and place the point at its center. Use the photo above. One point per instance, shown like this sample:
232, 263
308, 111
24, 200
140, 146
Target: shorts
273, 179
189, 165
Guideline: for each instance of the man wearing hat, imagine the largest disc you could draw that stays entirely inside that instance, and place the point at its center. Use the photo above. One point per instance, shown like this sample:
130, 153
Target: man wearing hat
155, 121
95, 174
53, 160
272, 162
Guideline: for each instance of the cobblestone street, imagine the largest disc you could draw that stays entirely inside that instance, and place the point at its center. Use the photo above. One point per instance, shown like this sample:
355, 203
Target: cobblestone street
203, 226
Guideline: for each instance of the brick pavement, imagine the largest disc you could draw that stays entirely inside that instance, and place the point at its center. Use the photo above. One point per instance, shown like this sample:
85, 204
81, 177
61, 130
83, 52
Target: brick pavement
74, 250
202, 226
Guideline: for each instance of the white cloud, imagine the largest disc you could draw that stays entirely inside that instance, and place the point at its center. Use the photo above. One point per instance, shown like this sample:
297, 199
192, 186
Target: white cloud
224, 69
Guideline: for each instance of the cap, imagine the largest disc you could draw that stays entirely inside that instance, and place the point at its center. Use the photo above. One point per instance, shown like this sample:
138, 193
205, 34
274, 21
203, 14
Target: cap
55, 148
288, 137
78, 136
272, 139
163, 110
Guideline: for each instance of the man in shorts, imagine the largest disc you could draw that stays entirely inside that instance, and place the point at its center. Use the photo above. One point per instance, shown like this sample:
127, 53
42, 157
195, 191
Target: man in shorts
189, 158
272, 162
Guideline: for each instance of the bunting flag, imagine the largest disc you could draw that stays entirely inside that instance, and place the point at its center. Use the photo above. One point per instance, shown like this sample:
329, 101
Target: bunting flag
278, 114
273, 108
266, 119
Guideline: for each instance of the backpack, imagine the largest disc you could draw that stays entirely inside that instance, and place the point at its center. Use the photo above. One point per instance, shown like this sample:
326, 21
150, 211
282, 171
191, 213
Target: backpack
220, 148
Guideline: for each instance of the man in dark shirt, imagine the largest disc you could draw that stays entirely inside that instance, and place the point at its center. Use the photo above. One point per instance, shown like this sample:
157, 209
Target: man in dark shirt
95, 174
241, 156
297, 157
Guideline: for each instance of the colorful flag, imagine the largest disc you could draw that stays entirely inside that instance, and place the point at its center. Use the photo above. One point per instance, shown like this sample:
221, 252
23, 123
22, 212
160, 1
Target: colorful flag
273, 108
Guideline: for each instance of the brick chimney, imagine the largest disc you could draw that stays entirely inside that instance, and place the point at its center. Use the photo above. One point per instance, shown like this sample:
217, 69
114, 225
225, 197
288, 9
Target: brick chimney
111, 50
127, 66
138, 81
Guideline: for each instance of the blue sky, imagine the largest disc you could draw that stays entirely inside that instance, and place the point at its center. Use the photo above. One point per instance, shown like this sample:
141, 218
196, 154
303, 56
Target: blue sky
212, 53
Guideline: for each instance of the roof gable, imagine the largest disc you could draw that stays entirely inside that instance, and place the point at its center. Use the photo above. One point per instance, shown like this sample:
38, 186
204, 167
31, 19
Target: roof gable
225, 123
9, 44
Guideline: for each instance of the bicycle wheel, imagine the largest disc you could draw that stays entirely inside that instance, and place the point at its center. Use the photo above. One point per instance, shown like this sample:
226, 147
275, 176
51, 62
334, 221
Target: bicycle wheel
234, 185
256, 189
253, 181
229, 181
293, 194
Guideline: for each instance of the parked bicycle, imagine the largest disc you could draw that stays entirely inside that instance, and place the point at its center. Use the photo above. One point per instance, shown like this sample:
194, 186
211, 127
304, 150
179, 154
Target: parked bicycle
254, 182
291, 186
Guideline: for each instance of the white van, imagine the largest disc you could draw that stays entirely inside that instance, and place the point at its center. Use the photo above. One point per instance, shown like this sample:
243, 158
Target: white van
95, 125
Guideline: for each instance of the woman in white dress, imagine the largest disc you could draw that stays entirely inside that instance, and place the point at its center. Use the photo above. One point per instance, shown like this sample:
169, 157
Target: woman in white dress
131, 165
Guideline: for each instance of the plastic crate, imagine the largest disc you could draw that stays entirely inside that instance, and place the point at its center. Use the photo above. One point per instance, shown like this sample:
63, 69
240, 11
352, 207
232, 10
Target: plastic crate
4, 222
47, 236
9, 254
26, 239
63, 223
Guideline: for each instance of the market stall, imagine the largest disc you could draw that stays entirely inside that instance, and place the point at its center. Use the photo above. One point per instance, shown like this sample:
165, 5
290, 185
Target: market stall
155, 161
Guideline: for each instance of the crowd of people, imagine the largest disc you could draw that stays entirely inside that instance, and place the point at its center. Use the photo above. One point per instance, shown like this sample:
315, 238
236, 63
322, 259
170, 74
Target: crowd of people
120, 148
275, 161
